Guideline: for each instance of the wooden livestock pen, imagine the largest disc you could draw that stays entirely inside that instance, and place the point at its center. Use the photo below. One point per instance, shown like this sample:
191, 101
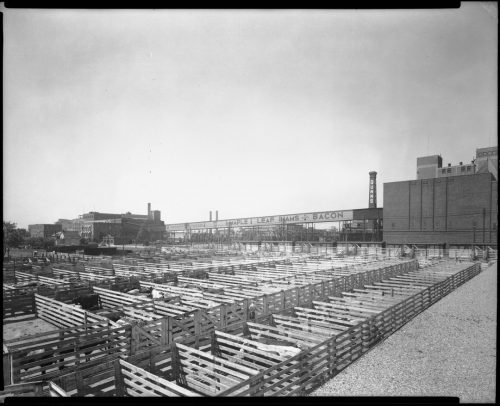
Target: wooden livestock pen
135, 381
301, 337
65, 350
112, 299
335, 335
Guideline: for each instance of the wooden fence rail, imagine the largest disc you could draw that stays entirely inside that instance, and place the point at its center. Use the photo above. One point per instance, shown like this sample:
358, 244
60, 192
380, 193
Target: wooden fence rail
333, 321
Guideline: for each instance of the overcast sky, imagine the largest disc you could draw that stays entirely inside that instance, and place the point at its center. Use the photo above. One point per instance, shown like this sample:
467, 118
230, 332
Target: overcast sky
248, 112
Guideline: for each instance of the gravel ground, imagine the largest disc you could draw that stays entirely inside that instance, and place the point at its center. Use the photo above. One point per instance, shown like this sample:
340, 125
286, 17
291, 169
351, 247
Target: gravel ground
448, 350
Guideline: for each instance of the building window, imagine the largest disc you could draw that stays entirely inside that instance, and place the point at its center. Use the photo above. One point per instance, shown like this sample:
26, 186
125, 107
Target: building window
443, 170
462, 168
448, 170
468, 169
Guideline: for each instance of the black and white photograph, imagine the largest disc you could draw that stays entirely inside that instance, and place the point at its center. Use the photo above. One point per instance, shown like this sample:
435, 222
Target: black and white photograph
250, 203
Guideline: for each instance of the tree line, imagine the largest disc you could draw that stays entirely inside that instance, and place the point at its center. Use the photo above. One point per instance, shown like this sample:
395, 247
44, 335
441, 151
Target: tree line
14, 237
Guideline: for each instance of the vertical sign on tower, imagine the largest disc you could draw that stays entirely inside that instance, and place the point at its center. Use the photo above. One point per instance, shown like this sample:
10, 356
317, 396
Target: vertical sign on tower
372, 201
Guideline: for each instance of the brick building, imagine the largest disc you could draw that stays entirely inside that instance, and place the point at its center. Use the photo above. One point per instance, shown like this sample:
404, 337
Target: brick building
459, 208
44, 230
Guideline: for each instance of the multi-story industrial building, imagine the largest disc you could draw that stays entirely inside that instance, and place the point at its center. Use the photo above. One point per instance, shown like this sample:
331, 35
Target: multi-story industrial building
94, 226
124, 228
44, 230
458, 206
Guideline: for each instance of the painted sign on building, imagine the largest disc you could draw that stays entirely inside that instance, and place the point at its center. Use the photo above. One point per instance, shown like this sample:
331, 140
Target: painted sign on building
314, 217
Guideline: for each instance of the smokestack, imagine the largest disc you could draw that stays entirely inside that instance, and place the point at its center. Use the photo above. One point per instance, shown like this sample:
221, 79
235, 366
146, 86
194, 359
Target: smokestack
149, 211
210, 215
216, 215
372, 194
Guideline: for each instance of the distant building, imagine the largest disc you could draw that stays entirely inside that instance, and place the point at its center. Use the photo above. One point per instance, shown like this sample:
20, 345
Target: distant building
458, 205
95, 226
108, 240
44, 230
67, 238
122, 228
65, 224
430, 167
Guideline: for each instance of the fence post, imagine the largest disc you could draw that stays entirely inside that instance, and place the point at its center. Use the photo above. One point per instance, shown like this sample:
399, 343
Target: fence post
80, 388
7, 369
223, 316
34, 305
134, 338
164, 332
265, 303
256, 385
176, 366
119, 383
197, 327
245, 307
332, 354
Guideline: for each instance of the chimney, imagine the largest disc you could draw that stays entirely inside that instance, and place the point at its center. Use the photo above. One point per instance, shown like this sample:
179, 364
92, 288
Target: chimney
461, 163
372, 194
210, 215
216, 215
149, 211
449, 165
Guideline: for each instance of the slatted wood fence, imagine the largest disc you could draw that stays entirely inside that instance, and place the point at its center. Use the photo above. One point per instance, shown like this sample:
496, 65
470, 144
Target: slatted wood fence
334, 324
111, 299
63, 315
66, 350
134, 381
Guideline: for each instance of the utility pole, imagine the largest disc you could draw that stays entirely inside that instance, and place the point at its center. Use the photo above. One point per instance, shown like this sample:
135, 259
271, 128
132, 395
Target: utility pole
484, 223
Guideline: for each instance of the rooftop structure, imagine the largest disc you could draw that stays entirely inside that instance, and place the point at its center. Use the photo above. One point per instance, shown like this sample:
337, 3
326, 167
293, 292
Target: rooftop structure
430, 167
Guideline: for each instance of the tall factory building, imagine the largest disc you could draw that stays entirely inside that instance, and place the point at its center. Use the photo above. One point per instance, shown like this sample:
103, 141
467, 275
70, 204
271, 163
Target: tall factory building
456, 207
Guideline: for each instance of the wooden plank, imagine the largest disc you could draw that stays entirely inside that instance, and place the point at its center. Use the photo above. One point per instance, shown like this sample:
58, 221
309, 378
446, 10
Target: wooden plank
237, 356
208, 372
159, 384
186, 360
334, 316
56, 391
304, 325
283, 334
246, 345
354, 310
212, 358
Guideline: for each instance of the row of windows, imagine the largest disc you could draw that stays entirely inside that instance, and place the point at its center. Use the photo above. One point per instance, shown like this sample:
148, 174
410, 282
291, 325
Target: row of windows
462, 169
481, 154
